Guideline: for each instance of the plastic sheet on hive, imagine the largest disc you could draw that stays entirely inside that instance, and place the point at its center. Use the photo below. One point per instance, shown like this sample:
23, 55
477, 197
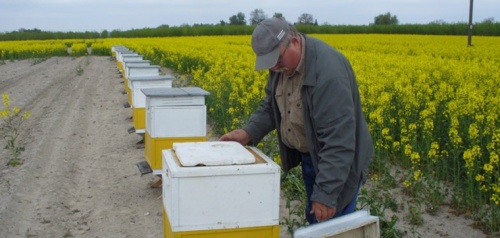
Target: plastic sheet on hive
212, 153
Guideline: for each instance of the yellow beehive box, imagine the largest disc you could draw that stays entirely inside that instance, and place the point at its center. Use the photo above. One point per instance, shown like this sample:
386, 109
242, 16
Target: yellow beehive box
247, 232
234, 194
172, 114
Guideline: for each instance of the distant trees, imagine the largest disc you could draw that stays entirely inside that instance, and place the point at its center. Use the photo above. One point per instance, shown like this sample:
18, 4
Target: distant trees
34, 30
257, 16
386, 19
238, 19
306, 19
437, 22
105, 34
278, 15
489, 20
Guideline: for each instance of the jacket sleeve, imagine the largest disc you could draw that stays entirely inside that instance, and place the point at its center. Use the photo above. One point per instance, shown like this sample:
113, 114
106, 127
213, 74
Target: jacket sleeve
262, 120
334, 125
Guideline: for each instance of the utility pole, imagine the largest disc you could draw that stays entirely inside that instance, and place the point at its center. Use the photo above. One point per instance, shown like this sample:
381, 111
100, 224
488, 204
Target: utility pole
469, 41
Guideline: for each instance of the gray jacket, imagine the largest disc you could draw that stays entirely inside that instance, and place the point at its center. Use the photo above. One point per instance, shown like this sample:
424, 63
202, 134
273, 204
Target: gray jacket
339, 142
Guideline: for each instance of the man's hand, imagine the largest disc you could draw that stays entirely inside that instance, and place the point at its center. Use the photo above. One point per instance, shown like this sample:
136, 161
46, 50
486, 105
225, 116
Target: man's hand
322, 212
239, 135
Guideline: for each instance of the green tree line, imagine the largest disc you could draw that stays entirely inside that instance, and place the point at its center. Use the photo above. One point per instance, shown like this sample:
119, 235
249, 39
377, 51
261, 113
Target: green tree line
483, 29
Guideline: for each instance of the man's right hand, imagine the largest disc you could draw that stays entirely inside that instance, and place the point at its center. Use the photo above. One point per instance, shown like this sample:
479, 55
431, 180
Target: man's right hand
238, 135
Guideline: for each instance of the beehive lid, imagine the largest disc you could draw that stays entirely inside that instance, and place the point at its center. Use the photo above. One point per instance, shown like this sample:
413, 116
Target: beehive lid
343, 226
174, 92
134, 60
145, 66
212, 153
152, 77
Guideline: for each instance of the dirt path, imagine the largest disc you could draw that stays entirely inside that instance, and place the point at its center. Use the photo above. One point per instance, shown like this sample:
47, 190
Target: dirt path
79, 177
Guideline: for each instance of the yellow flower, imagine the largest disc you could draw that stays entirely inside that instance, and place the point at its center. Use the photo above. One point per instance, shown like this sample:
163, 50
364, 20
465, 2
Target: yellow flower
6, 100
26, 115
479, 178
407, 183
494, 158
16, 110
4, 114
415, 158
408, 150
385, 131
417, 174
428, 125
488, 168
473, 131
277, 159
496, 199
396, 145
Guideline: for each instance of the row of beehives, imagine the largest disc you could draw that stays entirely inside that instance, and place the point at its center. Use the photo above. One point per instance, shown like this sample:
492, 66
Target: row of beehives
158, 110
208, 201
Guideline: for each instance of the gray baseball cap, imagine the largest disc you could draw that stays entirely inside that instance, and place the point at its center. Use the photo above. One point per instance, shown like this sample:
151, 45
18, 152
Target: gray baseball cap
266, 38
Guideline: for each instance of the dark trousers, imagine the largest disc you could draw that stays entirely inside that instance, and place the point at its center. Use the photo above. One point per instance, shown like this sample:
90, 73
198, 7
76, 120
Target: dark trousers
309, 177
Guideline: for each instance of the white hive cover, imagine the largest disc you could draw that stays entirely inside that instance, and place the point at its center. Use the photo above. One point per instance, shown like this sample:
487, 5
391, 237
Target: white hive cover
212, 153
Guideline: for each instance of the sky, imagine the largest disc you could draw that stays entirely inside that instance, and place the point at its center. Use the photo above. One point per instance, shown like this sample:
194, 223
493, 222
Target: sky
99, 15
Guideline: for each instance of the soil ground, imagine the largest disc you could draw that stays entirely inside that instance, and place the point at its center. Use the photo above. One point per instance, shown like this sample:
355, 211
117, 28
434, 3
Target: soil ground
79, 176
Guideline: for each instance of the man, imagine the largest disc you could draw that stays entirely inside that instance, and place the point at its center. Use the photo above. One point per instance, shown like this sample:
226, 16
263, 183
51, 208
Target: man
312, 100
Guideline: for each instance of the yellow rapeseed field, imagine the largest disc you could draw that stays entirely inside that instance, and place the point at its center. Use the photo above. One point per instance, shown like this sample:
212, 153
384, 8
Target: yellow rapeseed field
432, 103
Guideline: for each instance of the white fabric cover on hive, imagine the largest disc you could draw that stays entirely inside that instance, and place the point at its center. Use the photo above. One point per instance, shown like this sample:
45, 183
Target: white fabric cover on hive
212, 153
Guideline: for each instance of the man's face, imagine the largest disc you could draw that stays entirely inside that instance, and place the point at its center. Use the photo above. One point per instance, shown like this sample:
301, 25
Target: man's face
288, 60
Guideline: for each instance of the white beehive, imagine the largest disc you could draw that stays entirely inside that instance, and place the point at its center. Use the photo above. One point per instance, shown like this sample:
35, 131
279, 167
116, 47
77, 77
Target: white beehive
357, 224
138, 83
225, 196
176, 112
117, 48
119, 58
121, 54
138, 99
128, 57
127, 60
114, 48
172, 115
134, 63
145, 70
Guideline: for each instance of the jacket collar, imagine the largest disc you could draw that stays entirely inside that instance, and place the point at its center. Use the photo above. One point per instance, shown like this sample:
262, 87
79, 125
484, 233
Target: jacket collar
310, 66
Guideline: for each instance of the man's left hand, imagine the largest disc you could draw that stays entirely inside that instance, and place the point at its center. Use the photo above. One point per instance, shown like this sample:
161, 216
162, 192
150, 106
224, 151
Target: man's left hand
322, 212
